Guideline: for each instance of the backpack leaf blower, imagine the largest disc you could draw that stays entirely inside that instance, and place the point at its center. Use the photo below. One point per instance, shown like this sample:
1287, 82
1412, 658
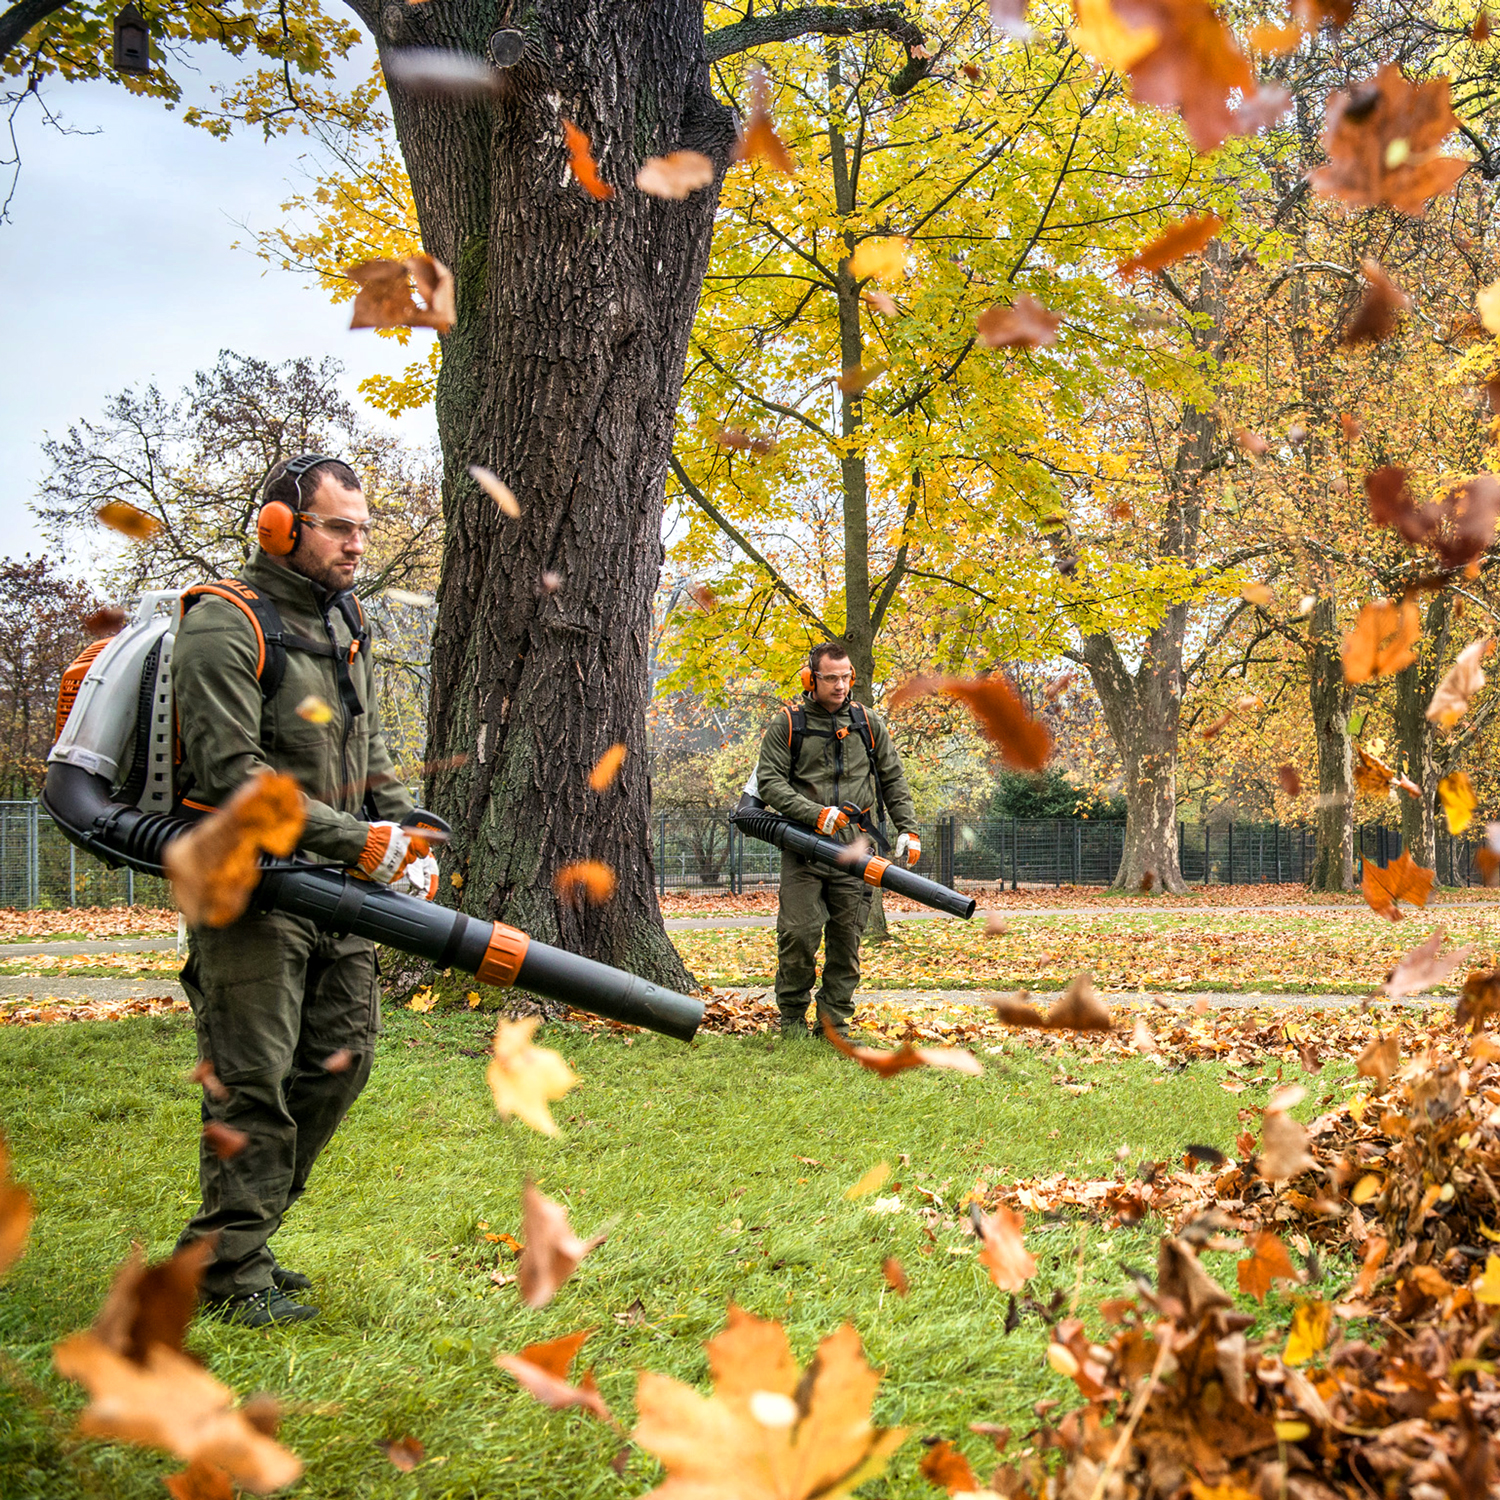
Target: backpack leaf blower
753, 817
109, 788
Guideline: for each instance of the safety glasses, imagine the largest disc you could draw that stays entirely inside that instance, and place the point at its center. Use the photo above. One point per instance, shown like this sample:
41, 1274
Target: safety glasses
340, 530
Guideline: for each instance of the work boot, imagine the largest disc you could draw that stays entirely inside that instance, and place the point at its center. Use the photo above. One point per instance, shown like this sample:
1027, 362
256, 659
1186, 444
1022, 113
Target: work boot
288, 1281
259, 1309
794, 1027
838, 1027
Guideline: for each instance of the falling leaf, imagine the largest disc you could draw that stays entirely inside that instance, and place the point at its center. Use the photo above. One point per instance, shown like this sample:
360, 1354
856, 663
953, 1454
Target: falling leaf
105, 622
1381, 138
551, 1252
1275, 41
1267, 1262
882, 258
406, 596
215, 865
1098, 30
1023, 741
1009, 18
16, 1213
224, 1140
675, 175
1025, 324
1381, 640
1421, 968
1460, 683
1350, 426
385, 299
1212, 731
314, 710
888, 1063
581, 163
405, 1453
759, 141
882, 302
523, 1077
1005, 1256
1283, 1150
431, 70
1458, 528
1375, 779
1186, 237
895, 1275
857, 378
947, 1468
1480, 31
744, 442
338, 1062
1486, 1288
768, 1432
607, 768
1379, 1059
199, 1481
872, 1180
1374, 320
1078, 1008
1252, 442
1458, 800
1402, 879
204, 1074
497, 489
585, 880
170, 1401
1291, 782
542, 1370
1309, 1334
121, 516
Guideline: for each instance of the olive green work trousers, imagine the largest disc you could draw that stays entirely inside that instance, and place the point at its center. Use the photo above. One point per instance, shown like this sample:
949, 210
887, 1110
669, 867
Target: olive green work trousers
816, 905
274, 1000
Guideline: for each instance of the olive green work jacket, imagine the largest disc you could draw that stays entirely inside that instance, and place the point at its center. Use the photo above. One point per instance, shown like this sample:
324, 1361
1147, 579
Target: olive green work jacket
829, 771
229, 733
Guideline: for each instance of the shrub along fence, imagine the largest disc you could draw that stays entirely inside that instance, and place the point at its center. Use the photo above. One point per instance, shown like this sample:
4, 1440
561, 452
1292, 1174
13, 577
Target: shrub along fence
702, 852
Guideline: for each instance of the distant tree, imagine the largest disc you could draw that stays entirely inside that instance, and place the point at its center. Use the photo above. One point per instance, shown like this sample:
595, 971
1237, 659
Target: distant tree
41, 631
1050, 794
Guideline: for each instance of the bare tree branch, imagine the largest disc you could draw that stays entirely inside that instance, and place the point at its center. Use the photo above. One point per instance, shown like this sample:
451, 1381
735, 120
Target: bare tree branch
746, 546
825, 20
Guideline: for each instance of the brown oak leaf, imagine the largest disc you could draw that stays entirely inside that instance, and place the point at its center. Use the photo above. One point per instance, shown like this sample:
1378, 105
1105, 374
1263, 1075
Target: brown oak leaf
551, 1251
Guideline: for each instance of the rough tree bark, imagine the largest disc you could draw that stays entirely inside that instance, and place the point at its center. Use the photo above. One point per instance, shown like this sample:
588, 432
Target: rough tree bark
1330, 699
562, 374
1414, 732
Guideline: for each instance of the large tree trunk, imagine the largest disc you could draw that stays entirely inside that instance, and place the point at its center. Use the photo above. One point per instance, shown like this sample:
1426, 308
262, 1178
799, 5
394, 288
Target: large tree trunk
1330, 698
562, 375
1414, 689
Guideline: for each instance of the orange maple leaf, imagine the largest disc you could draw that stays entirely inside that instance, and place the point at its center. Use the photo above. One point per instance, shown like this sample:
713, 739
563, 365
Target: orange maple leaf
759, 140
1401, 880
1268, 1261
1381, 640
767, 1432
1005, 1256
581, 160
542, 1370
1023, 741
1186, 237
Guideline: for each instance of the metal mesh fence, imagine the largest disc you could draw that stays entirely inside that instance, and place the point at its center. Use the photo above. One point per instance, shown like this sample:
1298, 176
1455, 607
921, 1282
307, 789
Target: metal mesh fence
40, 868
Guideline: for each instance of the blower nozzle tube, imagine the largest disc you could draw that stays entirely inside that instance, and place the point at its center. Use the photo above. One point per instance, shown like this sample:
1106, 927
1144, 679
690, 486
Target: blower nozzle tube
753, 817
81, 805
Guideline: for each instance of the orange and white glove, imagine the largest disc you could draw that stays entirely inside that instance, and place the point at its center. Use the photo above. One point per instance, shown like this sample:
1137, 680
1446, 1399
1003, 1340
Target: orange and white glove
832, 820
388, 850
909, 847
419, 878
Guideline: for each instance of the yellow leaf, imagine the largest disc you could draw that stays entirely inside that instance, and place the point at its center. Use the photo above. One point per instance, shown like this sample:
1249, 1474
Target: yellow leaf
1098, 31
1487, 1288
523, 1077
422, 1001
1309, 1335
474, 999
1458, 801
1367, 1187
314, 710
874, 1178
1489, 307
1291, 1432
884, 258
1493, 1235
1255, 593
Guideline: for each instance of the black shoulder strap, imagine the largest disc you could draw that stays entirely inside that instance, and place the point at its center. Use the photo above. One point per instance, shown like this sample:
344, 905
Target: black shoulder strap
867, 734
264, 618
796, 732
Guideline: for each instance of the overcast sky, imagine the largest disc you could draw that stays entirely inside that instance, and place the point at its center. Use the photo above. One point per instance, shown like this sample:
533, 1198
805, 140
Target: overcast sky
120, 269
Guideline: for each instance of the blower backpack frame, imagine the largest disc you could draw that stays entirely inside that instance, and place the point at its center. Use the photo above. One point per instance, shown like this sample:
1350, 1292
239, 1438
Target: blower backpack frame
110, 787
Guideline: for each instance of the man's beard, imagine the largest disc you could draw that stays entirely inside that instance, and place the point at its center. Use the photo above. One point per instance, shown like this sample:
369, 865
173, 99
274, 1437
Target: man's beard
326, 576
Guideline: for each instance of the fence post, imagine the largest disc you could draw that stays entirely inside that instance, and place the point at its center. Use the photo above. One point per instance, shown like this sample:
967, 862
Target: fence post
129, 886
1231, 851
36, 859
1057, 851
1206, 852
72, 875
1015, 858
661, 854
1278, 853
1077, 852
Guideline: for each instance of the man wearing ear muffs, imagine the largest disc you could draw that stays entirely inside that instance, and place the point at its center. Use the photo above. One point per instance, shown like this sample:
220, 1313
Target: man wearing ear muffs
829, 764
272, 670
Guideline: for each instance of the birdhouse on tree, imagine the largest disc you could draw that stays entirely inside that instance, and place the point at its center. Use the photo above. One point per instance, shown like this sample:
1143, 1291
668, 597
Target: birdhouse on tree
132, 42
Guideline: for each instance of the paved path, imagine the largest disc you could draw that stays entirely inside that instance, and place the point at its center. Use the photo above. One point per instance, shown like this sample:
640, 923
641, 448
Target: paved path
11, 951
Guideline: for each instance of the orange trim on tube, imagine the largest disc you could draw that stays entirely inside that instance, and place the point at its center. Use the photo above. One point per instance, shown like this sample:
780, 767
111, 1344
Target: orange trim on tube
875, 869
502, 959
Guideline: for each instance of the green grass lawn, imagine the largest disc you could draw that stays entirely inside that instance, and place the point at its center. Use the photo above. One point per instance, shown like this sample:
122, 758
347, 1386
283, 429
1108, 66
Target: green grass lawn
689, 1155
1337, 952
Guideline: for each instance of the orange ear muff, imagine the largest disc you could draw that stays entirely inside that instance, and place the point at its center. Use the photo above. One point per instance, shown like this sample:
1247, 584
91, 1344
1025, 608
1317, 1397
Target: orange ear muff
807, 679
277, 529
